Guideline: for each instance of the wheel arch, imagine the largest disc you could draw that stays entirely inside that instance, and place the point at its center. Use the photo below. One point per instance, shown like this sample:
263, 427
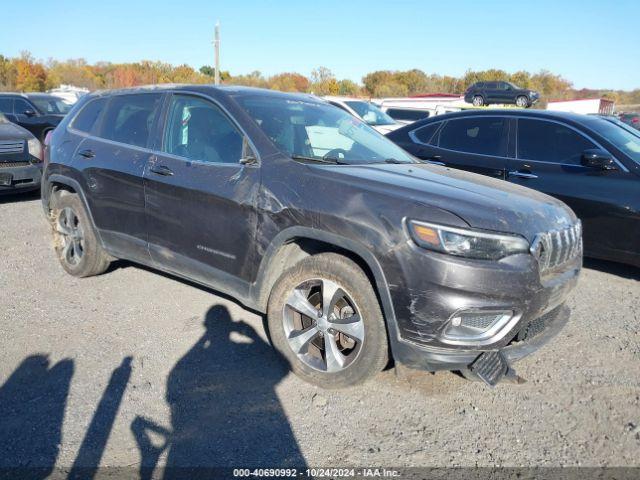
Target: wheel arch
296, 243
57, 182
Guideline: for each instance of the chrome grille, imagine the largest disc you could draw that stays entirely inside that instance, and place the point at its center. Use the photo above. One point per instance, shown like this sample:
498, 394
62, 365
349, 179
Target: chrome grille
11, 146
555, 248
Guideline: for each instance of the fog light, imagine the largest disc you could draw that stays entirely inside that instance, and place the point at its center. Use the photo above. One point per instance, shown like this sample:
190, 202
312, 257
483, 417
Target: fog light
475, 325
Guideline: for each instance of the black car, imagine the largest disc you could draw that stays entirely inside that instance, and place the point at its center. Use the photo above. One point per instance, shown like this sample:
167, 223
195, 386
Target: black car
37, 112
488, 93
304, 212
20, 158
588, 162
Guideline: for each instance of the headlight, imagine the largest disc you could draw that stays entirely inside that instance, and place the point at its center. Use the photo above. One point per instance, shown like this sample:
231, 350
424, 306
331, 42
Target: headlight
466, 243
35, 148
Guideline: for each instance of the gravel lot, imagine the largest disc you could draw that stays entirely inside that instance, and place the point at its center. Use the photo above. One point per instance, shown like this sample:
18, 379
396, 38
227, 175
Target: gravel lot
136, 368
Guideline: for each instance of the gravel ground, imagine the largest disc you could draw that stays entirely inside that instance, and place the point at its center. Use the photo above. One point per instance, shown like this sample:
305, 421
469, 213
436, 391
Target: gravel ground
136, 368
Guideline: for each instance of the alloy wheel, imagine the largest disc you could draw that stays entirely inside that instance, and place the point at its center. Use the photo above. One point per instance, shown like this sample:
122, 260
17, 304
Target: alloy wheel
323, 326
69, 229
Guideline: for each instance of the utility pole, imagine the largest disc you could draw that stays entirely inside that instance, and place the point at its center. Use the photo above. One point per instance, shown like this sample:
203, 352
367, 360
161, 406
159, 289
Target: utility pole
216, 48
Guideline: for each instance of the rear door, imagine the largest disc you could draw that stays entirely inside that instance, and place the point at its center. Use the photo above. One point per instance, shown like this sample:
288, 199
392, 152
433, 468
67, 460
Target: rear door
112, 162
200, 198
477, 144
549, 160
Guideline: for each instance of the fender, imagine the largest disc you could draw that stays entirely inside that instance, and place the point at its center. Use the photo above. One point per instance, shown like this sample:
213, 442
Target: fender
298, 232
75, 185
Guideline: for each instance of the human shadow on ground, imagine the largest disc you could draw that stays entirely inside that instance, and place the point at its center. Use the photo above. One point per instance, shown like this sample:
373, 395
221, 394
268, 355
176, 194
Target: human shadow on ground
224, 407
32, 405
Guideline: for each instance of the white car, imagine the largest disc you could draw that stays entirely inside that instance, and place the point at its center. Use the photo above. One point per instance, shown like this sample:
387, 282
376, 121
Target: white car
366, 111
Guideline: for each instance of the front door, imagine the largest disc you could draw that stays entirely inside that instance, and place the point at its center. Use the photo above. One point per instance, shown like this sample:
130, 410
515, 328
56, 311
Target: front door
549, 160
200, 199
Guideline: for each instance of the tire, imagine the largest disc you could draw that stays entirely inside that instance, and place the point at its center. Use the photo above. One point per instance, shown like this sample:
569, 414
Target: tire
522, 102
75, 241
478, 101
325, 356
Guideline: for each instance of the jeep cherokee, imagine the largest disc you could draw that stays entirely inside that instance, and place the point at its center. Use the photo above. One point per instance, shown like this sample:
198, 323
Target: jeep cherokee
357, 252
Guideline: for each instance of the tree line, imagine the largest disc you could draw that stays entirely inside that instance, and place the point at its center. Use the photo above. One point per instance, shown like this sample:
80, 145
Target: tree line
24, 73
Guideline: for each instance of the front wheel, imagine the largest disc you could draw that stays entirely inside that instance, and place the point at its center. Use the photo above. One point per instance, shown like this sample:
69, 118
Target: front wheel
522, 102
325, 319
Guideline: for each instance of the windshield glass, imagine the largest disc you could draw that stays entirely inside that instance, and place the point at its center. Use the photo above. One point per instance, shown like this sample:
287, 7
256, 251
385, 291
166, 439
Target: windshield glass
51, 105
620, 137
370, 113
319, 131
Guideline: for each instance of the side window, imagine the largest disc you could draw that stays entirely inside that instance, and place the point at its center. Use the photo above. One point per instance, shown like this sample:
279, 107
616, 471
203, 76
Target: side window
6, 104
198, 130
20, 106
87, 119
129, 118
407, 114
425, 134
483, 135
550, 142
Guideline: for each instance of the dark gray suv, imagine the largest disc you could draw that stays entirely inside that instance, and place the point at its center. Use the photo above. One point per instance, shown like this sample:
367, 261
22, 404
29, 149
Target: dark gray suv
357, 252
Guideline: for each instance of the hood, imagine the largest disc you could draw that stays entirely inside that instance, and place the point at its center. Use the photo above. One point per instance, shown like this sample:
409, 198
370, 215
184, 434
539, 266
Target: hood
482, 202
384, 129
11, 131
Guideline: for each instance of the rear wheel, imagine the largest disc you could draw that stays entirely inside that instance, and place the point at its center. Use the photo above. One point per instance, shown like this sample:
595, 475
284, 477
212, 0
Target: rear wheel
325, 319
478, 101
75, 242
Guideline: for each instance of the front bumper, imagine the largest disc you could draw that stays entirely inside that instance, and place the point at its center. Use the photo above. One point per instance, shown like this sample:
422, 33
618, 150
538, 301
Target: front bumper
437, 286
24, 177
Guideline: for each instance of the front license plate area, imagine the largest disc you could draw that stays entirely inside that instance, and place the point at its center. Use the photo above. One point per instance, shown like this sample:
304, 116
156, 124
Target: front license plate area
6, 179
490, 367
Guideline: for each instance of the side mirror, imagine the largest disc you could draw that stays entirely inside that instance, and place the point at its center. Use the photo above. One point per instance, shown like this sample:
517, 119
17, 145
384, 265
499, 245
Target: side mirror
29, 113
596, 158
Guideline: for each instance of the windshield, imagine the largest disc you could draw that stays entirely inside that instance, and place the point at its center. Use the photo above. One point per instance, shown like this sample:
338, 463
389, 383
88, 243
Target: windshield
620, 137
370, 113
50, 105
318, 131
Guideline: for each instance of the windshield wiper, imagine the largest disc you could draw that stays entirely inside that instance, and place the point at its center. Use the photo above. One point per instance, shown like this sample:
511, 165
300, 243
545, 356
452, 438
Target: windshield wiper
328, 160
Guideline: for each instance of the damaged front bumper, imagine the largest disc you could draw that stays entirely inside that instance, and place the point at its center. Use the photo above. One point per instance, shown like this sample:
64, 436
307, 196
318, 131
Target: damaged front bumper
529, 310
433, 358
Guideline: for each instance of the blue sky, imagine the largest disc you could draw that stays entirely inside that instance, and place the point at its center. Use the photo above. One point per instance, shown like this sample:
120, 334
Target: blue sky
592, 43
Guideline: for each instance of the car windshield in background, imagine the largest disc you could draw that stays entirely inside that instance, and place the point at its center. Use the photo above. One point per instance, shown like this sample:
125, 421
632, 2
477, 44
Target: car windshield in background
51, 105
319, 131
623, 140
370, 113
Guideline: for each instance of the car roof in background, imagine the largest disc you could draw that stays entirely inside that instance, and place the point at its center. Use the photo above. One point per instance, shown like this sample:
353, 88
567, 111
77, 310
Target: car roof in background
230, 90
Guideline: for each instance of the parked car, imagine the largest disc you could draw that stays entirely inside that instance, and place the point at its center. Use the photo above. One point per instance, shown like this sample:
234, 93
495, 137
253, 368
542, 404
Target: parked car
366, 111
632, 119
347, 251
588, 162
37, 112
489, 93
20, 158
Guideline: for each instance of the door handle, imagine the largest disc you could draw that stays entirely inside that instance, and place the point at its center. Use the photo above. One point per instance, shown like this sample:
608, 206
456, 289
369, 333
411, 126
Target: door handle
162, 170
519, 174
88, 153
